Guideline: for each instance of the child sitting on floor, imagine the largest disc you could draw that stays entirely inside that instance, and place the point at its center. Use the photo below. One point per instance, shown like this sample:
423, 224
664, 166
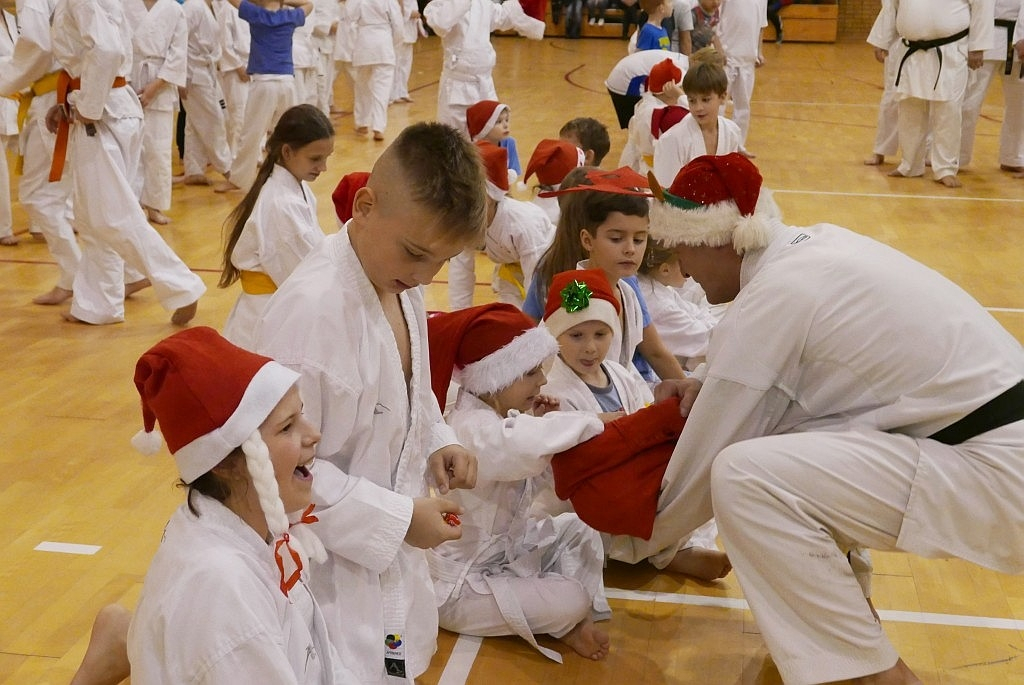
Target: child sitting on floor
551, 161
490, 120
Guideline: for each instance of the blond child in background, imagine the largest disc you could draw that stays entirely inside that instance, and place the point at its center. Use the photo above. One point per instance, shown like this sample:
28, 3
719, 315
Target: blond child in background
663, 89
513, 573
550, 162
490, 120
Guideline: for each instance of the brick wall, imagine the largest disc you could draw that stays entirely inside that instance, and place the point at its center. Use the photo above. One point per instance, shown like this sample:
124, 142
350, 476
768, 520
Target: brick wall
856, 18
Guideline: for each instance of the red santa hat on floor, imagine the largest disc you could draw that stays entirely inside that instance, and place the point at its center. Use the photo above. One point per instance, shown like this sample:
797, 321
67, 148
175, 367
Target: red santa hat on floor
578, 296
713, 201
664, 72
485, 349
344, 194
209, 398
552, 160
482, 117
499, 176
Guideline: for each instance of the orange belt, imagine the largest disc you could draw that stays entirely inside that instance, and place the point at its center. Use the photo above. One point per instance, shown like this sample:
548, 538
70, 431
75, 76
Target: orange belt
257, 283
66, 84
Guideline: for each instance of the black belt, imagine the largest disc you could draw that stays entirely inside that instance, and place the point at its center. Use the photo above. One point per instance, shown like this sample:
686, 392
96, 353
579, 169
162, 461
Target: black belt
1009, 25
936, 43
1005, 408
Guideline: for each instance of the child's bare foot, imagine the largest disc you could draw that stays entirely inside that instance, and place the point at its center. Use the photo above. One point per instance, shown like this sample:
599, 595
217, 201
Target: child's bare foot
1020, 175
225, 187
57, 295
362, 130
71, 318
949, 181
702, 564
378, 135
896, 173
106, 657
900, 674
156, 216
135, 286
1011, 168
196, 180
875, 160
182, 315
587, 640
9, 240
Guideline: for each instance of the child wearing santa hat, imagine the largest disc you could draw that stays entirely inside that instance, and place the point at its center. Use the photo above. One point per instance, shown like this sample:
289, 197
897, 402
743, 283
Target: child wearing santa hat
550, 162
517, 234
512, 572
663, 90
490, 120
582, 313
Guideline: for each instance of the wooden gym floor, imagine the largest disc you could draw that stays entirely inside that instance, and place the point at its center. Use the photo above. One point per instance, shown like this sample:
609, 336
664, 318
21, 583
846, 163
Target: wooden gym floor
69, 476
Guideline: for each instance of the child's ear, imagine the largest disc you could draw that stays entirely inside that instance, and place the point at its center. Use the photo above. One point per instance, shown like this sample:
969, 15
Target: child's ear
586, 240
363, 202
588, 158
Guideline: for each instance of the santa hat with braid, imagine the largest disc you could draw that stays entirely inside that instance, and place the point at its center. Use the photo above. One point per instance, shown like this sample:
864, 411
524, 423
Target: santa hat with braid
209, 398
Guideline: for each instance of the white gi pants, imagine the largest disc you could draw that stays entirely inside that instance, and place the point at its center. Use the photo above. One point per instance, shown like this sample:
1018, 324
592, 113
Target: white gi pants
1011, 135
236, 93
403, 68
917, 117
157, 139
206, 136
305, 86
741, 88
461, 279
372, 88
325, 83
6, 218
113, 227
790, 508
269, 97
887, 134
46, 203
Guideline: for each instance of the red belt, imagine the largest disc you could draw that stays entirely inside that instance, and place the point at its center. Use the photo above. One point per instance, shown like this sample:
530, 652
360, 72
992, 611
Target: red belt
66, 84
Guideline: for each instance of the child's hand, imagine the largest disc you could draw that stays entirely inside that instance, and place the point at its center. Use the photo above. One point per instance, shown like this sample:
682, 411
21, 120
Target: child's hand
672, 90
542, 404
429, 526
609, 416
452, 467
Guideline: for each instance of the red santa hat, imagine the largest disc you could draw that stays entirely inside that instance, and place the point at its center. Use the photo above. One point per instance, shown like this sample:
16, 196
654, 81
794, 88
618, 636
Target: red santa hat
621, 181
713, 201
344, 194
552, 160
209, 398
481, 118
578, 296
485, 348
665, 71
499, 176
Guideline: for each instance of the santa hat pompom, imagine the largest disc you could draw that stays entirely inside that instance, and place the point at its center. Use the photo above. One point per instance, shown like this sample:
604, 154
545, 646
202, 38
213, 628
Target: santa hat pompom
146, 442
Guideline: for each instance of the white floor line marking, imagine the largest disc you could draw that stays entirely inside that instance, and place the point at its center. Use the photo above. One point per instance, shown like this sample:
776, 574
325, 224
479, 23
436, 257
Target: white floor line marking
456, 671
885, 614
67, 548
1009, 310
899, 196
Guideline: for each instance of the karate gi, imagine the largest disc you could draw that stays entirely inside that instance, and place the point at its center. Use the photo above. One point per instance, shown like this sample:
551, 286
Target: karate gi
812, 439
930, 91
206, 133
1011, 134
638, 152
465, 28
306, 59
684, 142
887, 133
740, 33
92, 40
326, 322
549, 205
628, 78
404, 41
325, 24
375, 23
212, 610
47, 204
8, 123
160, 38
282, 229
684, 327
234, 55
512, 572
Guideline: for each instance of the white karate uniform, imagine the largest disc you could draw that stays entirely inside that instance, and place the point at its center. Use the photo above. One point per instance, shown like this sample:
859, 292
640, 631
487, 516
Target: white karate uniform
684, 142
404, 43
8, 123
212, 610
887, 133
234, 42
740, 33
639, 64
282, 229
812, 439
206, 133
92, 40
465, 28
513, 573
683, 326
159, 51
326, 322
325, 18
306, 58
549, 205
930, 95
375, 23
1011, 134
638, 152
47, 204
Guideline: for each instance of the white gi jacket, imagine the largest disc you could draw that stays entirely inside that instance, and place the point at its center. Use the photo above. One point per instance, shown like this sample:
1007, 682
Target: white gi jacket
638, 152
234, 37
563, 383
212, 610
499, 536
159, 49
204, 43
684, 327
326, 322
8, 107
282, 229
684, 142
519, 234
376, 24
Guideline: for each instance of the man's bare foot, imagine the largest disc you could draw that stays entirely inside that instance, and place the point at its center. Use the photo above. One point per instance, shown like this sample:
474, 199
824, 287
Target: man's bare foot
225, 187
587, 640
57, 295
106, 657
875, 160
157, 217
196, 180
378, 135
950, 181
182, 315
900, 674
702, 564
9, 240
135, 286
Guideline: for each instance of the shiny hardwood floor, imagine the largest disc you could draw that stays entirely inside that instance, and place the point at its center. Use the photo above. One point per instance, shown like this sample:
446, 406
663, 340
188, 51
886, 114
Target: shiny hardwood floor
68, 474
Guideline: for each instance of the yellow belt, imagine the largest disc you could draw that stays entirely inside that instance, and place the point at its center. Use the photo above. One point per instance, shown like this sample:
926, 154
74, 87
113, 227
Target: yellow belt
257, 283
513, 273
46, 84
648, 160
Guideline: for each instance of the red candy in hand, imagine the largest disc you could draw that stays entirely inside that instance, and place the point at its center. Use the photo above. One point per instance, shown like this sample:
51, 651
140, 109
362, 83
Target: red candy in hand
451, 518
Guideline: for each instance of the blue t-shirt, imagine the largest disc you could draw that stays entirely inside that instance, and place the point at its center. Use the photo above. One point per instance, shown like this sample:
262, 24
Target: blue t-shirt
271, 32
652, 37
513, 154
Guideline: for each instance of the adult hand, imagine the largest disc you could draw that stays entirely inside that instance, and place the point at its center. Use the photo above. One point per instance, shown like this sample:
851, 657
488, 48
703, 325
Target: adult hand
452, 467
428, 527
975, 58
881, 55
685, 389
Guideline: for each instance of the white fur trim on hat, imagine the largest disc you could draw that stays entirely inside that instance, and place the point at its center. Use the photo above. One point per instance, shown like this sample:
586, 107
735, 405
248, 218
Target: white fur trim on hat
599, 309
505, 366
494, 192
262, 394
713, 225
